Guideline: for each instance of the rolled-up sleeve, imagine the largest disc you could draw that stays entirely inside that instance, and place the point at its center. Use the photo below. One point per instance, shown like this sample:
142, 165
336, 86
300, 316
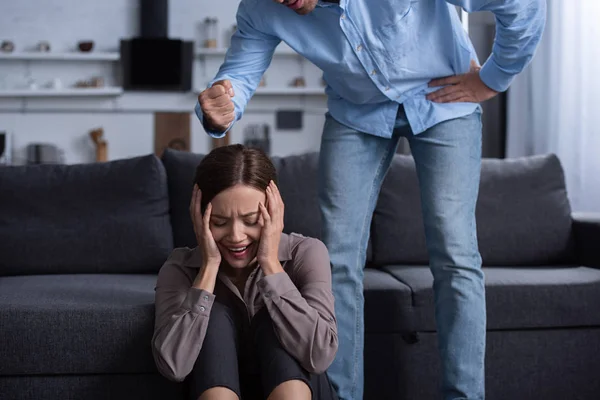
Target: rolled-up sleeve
519, 28
303, 313
181, 318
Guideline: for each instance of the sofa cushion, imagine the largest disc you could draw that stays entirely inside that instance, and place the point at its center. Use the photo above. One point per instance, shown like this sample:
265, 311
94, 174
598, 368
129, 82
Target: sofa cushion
388, 303
85, 218
517, 297
76, 324
523, 214
181, 168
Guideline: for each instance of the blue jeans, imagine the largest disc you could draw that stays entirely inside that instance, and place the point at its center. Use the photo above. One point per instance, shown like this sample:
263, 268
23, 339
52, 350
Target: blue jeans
448, 159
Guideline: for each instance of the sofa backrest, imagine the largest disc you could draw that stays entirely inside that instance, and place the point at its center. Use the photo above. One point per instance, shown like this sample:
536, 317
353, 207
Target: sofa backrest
108, 217
523, 214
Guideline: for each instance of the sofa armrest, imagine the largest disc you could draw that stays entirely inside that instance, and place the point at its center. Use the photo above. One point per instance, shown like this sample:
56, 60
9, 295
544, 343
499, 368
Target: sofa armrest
586, 229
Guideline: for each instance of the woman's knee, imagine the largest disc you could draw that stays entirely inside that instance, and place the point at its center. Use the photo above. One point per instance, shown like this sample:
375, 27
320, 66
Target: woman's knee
291, 390
218, 393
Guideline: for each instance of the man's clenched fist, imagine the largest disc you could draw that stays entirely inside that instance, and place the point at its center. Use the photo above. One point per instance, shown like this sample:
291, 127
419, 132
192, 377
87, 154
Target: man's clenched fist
217, 106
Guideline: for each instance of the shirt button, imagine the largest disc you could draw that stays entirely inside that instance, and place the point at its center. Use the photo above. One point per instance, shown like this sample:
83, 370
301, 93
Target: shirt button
206, 298
202, 308
387, 88
343, 16
268, 294
374, 72
359, 47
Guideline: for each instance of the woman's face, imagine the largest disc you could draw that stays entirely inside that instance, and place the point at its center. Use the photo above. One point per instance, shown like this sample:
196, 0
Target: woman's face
234, 223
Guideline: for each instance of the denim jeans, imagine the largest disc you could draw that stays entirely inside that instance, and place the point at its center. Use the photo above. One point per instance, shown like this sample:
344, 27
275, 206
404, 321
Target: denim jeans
448, 159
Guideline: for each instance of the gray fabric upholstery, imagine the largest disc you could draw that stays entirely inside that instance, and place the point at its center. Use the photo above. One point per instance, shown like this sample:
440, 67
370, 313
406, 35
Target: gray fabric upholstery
586, 229
86, 218
76, 324
388, 302
181, 168
523, 214
550, 364
517, 298
90, 387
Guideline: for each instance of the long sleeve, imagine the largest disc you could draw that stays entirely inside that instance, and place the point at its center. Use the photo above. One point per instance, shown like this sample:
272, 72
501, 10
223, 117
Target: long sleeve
181, 319
247, 59
303, 314
519, 28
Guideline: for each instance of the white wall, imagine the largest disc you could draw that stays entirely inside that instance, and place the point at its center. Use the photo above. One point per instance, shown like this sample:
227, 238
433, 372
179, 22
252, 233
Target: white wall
128, 119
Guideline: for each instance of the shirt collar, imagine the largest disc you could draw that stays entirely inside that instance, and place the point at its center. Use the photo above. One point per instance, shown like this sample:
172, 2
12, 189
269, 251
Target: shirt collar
194, 258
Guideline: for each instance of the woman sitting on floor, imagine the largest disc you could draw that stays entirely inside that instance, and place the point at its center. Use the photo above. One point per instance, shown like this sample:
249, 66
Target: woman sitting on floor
249, 312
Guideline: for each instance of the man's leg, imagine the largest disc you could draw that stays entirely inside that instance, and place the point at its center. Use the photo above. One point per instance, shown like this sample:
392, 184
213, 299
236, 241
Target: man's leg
352, 166
448, 161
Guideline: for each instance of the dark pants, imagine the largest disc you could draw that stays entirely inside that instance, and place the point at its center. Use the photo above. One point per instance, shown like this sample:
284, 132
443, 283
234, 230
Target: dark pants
247, 358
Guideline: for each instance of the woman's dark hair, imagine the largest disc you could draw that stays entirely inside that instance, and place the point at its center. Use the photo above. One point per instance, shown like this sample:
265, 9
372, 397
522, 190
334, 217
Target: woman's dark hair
228, 166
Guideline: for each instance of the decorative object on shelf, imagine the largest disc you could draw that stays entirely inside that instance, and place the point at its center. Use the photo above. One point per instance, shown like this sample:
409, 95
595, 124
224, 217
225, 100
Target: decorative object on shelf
298, 82
5, 148
85, 46
56, 84
100, 143
43, 46
44, 153
7, 46
95, 82
210, 33
258, 136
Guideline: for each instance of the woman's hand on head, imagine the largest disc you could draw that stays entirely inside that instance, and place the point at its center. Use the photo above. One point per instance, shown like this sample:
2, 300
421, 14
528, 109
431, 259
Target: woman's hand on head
271, 220
210, 252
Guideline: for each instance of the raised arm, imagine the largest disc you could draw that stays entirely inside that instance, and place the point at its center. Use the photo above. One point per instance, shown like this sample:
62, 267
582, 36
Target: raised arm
246, 60
519, 28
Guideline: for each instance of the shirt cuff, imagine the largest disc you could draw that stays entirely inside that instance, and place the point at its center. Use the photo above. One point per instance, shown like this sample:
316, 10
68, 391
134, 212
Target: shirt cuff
199, 301
275, 285
494, 77
211, 133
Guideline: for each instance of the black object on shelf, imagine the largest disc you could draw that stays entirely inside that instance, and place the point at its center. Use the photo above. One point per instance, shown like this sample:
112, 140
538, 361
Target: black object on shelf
153, 61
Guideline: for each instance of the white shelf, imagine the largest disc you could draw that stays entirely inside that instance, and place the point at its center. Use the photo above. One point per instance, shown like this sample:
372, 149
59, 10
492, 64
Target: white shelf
71, 92
49, 56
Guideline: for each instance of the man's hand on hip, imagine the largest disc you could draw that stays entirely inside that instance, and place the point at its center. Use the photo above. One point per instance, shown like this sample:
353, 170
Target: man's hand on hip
461, 88
217, 106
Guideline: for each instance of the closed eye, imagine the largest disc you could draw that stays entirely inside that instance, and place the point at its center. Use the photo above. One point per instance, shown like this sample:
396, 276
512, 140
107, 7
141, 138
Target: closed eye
251, 223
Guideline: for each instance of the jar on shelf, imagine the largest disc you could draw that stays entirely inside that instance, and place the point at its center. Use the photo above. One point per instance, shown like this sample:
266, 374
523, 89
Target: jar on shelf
210, 33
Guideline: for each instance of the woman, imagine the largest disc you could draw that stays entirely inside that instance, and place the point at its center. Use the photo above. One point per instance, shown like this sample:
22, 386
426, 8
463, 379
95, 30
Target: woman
249, 312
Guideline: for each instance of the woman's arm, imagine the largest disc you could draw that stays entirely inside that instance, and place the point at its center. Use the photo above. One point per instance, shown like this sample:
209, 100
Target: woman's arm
303, 314
182, 311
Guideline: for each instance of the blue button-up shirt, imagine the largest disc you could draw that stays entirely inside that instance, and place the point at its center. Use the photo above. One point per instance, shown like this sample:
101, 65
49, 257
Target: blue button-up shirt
378, 54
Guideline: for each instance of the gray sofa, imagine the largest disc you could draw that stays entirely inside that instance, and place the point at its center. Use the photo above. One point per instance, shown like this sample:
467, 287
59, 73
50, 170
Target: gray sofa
81, 245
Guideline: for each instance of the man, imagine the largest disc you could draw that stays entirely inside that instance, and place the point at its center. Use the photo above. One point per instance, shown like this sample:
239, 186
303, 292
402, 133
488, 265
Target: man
393, 68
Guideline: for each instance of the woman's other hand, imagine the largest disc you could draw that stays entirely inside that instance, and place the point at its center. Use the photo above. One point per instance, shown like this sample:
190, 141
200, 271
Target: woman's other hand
210, 252
271, 220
